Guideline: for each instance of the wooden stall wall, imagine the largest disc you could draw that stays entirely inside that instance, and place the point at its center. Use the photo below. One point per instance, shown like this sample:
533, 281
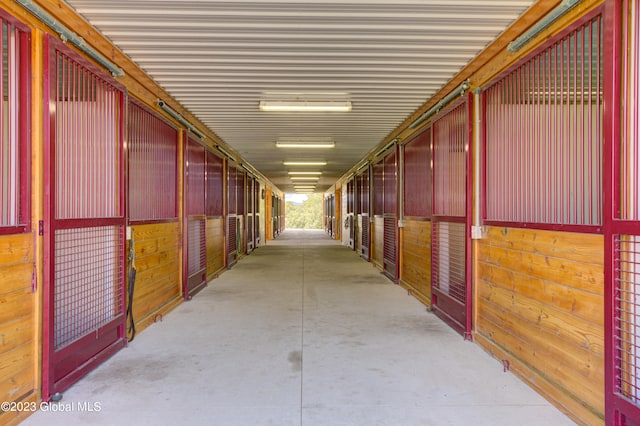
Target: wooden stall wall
415, 259
540, 307
18, 316
157, 288
215, 246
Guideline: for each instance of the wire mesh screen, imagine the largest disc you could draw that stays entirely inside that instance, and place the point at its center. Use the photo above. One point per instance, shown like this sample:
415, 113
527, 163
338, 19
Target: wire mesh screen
627, 316
197, 245
450, 146
87, 142
448, 251
630, 150
544, 135
232, 237
389, 250
14, 161
89, 276
153, 164
365, 232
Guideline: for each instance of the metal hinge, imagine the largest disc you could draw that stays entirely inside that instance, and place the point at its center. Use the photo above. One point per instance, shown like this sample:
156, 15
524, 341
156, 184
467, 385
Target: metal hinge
34, 282
41, 227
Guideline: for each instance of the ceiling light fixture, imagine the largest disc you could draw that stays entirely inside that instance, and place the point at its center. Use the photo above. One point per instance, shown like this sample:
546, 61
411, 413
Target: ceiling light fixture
305, 163
305, 173
304, 177
305, 143
305, 106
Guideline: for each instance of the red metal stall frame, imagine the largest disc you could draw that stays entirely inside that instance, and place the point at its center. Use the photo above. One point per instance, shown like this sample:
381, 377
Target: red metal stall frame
465, 328
394, 273
618, 410
593, 229
192, 283
90, 347
24, 127
156, 116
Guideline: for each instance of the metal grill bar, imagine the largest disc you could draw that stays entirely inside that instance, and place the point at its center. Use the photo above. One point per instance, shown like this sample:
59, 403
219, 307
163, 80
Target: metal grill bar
544, 135
215, 185
389, 251
87, 120
449, 259
417, 176
630, 131
240, 191
88, 275
232, 193
390, 184
153, 164
627, 316
197, 250
196, 172
450, 145
13, 145
232, 238
378, 188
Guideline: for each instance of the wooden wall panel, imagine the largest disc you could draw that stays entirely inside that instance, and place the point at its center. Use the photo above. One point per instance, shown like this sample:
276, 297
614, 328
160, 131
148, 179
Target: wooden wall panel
377, 241
158, 284
19, 346
215, 247
540, 306
415, 259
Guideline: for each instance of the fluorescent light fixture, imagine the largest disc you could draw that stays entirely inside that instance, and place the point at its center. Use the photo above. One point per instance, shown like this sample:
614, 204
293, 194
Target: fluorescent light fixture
304, 186
305, 142
305, 163
305, 145
305, 173
304, 177
302, 105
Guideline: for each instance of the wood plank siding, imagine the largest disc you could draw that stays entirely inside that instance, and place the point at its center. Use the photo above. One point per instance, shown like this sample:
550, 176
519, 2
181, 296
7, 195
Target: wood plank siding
377, 241
19, 345
157, 286
540, 307
215, 247
415, 259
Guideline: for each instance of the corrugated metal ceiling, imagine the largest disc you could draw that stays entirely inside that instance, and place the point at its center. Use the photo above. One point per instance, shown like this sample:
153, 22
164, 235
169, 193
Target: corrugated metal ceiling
219, 58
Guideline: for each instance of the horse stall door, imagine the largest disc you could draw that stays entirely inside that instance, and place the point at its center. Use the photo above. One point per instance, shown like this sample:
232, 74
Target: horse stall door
365, 225
622, 241
196, 219
250, 214
232, 221
85, 222
390, 221
451, 295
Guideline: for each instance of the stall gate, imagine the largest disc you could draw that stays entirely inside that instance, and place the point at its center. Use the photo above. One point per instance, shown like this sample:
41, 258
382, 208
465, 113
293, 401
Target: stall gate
232, 216
451, 243
196, 219
622, 235
250, 218
349, 221
85, 220
390, 209
365, 226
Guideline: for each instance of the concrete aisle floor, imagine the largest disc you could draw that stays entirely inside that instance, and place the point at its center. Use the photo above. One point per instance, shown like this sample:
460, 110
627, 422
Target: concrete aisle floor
301, 332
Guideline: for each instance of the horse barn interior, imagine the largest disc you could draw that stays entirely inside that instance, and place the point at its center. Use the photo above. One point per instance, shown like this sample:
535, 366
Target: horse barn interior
478, 161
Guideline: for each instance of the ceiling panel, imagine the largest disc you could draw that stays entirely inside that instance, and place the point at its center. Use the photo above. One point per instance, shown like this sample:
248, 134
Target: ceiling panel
219, 58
